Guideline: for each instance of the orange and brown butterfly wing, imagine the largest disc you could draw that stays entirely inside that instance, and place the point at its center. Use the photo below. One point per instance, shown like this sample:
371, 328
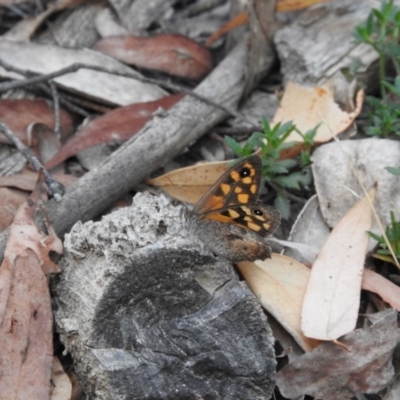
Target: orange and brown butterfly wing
239, 185
259, 218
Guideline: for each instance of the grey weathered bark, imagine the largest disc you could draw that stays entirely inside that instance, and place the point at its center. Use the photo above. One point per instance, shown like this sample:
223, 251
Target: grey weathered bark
320, 43
163, 138
146, 312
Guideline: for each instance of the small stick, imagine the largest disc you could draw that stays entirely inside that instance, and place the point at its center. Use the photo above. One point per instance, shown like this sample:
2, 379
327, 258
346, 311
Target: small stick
56, 189
56, 102
67, 104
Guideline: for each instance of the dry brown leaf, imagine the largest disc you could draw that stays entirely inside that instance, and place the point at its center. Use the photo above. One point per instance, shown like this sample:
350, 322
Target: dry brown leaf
332, 298
330, 372
26, 319
170, 53
27, 179
117, 125
18, 114
308, 107
10, 200
190, 183
279, 283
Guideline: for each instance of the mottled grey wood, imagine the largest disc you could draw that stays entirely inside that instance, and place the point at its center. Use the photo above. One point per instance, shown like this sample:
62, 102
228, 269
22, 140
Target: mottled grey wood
75, 28
137, 15
146, 312
319, 43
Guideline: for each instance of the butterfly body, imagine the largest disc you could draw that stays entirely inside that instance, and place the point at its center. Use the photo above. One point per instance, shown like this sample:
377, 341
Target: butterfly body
229, 220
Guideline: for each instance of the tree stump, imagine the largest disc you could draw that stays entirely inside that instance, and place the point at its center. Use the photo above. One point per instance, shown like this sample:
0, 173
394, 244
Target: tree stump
148, 313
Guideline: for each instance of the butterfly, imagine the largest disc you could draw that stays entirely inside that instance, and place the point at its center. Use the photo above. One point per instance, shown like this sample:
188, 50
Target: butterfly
228, 218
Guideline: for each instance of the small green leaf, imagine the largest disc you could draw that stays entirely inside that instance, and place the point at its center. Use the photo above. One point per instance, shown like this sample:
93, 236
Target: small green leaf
392, 170
287, 182
288, 163
283, 206
234, 145
379, 239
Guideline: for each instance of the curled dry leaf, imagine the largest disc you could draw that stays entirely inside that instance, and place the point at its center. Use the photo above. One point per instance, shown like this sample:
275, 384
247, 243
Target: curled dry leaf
18, 114
378, 284
330, 372
26, 319
332, 298
308, 107
173, 54
117, 125
279, 283
190, 183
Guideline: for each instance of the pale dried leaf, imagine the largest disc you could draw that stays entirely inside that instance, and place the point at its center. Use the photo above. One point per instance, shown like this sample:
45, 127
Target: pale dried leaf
335, 180
190, 183
330, 372
100, 86
309, 229
308, 107
331, 301
279, 283
61, 388
384, 288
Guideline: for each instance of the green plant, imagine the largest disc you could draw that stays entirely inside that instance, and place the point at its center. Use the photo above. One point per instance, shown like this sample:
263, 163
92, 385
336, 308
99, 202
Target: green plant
393, 235
285, 176
393, 170
382, 32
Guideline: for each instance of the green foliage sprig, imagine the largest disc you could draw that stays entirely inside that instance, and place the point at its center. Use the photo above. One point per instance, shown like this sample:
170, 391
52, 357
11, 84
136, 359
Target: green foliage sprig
393, 235
382, 31
287, 177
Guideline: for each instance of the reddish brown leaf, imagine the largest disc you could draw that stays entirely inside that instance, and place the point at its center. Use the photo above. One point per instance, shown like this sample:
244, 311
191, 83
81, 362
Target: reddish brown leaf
10, 200
173, 54
19, 113
27, 179
117, 125
25, 309
21, 184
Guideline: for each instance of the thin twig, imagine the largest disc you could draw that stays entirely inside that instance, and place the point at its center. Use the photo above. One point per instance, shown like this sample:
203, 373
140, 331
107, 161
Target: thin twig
42, 85
56, 189
77, 66
56, 105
